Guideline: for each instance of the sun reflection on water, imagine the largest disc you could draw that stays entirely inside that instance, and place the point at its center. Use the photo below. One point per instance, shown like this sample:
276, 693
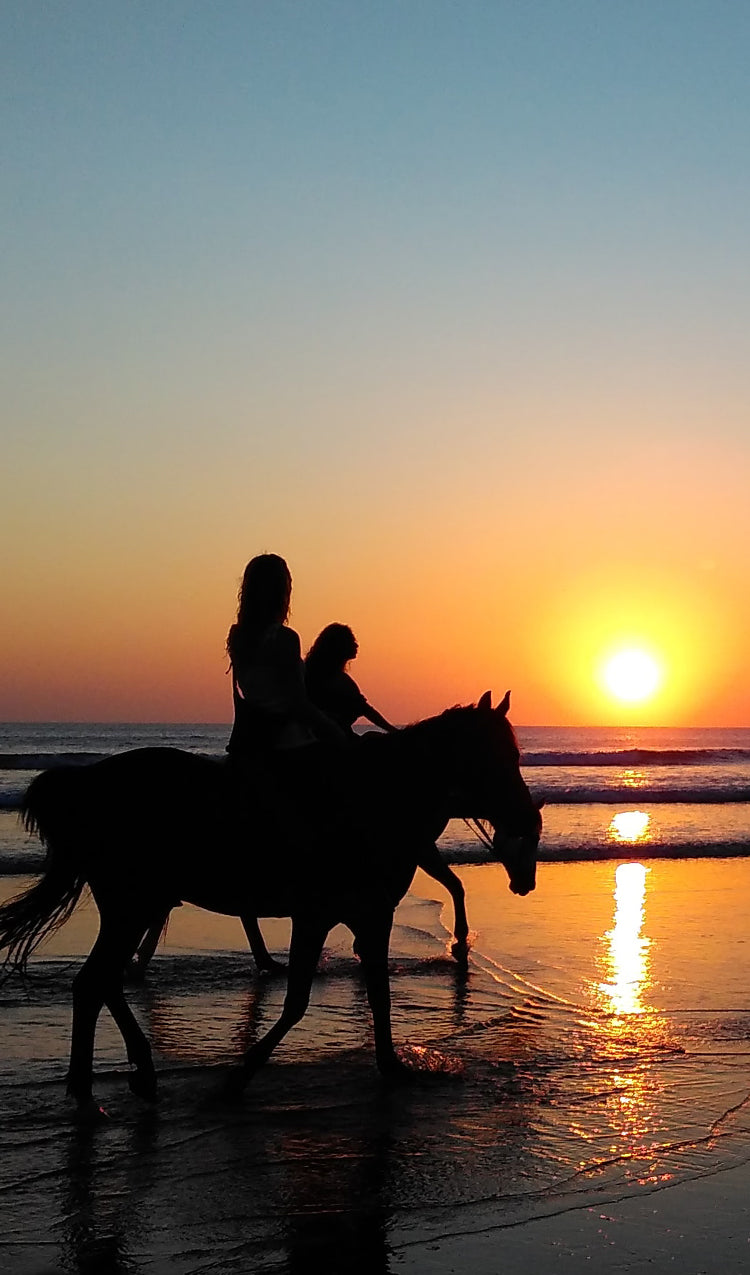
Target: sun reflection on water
630, 826
631, 1030
630, 778
627, 957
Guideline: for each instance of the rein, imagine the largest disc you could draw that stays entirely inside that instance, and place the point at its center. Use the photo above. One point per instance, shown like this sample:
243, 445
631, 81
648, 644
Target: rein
480, 832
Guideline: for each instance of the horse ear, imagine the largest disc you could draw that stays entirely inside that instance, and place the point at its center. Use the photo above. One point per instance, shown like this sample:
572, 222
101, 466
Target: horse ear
504, 705
486, 700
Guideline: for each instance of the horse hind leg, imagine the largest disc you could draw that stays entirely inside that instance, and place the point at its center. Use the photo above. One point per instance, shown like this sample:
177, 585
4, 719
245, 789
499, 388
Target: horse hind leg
142, 1079
98, 981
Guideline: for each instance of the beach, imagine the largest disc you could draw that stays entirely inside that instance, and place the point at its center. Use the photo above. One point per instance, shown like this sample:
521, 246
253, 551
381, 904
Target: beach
584, 1093
367, 365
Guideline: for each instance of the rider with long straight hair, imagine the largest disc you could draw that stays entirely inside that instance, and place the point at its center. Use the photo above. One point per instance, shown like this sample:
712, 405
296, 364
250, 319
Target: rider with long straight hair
277, 728
272, 710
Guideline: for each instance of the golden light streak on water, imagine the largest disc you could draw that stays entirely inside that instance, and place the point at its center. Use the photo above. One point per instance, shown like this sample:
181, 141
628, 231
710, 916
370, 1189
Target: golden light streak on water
627, 957
631, 1029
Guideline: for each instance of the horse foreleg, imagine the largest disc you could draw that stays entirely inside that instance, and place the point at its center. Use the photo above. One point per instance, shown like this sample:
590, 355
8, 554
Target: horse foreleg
432, 862
264, 962
308, 937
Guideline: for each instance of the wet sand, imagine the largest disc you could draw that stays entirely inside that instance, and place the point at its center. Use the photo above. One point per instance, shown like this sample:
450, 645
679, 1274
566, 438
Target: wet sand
584, 1097
697, 1227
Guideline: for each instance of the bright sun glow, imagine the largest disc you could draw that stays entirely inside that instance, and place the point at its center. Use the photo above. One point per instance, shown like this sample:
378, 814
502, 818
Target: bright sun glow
629, 825
632, 675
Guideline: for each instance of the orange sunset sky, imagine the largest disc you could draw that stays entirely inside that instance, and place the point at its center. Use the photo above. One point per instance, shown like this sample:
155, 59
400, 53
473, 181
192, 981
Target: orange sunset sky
447, 304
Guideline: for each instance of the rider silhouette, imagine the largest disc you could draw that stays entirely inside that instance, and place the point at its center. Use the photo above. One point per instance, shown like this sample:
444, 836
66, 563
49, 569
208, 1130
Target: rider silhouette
331, 687
276, 725
273, 712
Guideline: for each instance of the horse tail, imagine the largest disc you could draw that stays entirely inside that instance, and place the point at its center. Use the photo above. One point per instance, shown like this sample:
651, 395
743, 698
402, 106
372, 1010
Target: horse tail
52, 809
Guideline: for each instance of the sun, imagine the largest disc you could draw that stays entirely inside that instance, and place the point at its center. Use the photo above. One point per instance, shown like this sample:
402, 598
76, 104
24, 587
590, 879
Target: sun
632, 675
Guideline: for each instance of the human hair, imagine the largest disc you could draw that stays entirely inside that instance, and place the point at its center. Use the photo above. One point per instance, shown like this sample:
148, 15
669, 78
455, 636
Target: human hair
334, 646
264, 599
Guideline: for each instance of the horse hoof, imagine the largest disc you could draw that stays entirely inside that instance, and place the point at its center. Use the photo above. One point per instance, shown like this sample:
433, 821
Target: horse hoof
395, 1072
234, 1086
89, 1113
143, 1086
271, 967
460, 951
134, 972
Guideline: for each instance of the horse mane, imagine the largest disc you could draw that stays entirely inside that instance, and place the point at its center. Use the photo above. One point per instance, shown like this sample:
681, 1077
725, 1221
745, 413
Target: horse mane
425, 729
450, 717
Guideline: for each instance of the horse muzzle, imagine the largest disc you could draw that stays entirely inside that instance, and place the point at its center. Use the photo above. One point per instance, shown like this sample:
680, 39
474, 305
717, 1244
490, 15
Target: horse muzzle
518, 857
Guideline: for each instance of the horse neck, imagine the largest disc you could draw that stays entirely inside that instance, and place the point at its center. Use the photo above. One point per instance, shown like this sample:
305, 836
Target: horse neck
415, 755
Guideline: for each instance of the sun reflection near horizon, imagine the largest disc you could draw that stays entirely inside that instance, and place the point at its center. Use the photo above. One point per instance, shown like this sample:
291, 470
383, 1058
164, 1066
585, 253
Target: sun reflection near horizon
630, 778
629, 826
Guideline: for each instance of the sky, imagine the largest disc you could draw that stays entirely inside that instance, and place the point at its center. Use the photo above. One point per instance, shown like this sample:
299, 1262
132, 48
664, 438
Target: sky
447, 303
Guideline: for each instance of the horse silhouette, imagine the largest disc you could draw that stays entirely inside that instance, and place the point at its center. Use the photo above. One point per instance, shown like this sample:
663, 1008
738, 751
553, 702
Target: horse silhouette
141, 856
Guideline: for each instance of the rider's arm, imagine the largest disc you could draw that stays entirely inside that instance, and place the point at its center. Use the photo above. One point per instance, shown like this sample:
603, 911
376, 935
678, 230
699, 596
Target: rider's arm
376, 718
360, 706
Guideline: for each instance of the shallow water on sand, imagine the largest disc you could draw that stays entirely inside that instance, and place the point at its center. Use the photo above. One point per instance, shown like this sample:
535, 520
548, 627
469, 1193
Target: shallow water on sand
597, 1047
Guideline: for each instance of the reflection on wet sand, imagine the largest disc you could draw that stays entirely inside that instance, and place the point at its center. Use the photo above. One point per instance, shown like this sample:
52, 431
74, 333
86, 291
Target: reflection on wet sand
101, 1191
335, 1192
627, 956
193, 1017
632, 1029
211, 1026
311, 1172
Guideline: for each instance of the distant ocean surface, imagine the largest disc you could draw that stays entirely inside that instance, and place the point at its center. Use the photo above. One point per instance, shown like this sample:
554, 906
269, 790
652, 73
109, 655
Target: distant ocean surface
608, 793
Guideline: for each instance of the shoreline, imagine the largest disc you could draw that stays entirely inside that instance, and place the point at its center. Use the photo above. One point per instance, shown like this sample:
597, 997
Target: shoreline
667, 854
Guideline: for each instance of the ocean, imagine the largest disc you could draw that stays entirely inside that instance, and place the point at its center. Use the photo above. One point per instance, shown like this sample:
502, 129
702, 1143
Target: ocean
669, 792
597, 1049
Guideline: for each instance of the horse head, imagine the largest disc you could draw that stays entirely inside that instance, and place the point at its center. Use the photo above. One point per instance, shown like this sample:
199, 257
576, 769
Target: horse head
493, 789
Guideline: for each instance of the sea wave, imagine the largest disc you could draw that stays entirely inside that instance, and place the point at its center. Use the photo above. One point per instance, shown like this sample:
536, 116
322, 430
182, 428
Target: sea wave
626, 794
639, 757
20, 865
33, 761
